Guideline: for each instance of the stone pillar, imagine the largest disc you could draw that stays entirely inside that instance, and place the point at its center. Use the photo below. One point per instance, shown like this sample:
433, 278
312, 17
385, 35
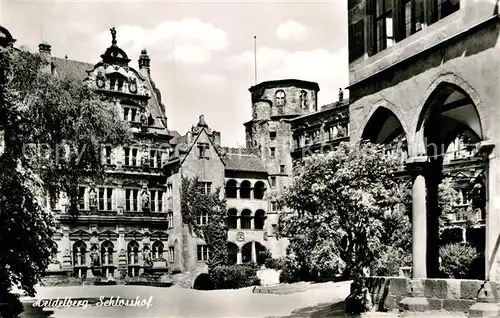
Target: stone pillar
252, 222
120, 197
238, 222
254, 252
239, 257
492, 257
433, 177
419, 219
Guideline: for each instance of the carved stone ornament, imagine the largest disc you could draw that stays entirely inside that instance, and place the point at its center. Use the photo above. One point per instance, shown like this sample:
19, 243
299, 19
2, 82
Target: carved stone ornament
92, 198
266, 236
133, 86
100, 80
145, 199
240, 237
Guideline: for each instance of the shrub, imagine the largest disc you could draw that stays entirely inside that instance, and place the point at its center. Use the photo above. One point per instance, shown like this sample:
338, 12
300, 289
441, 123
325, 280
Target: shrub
456, 260
390, 261
291, 271
275, 263
234, 276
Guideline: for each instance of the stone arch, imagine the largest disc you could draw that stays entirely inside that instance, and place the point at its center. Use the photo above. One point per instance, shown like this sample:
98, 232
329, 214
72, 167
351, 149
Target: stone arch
383, 103
259, 190
436, 92
246, 216
232, 218
231, 188
232, 251
245, 189
259, 219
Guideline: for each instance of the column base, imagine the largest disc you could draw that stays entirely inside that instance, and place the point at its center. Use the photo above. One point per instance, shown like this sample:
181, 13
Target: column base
418, 304
484, 310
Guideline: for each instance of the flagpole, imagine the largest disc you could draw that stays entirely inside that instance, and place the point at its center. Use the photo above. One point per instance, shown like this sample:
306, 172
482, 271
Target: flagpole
255, 57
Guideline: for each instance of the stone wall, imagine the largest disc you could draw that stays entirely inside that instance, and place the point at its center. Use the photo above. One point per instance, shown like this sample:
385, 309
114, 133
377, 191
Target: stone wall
442, 294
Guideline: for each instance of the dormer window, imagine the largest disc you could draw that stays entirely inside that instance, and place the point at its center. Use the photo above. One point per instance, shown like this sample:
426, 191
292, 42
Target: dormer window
280, 98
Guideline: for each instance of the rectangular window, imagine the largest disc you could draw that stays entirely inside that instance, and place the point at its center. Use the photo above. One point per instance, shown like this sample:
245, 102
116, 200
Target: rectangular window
160, 201
107, 155
273, 152
282, 168
152, 158
273, 182
120, 85
272, 135
128, 200
126, 111
202, 150
169, 190
133, 113
81, 198
126, 152
202, 219
205, 187
413, 14
135, 200
383, 22
171, 255
112, 84
152, 195
356, 40
202, 252
134, 158
105, 199
447, 7
273, 207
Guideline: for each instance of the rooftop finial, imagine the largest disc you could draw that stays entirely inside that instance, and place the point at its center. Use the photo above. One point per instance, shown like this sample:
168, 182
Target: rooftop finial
113, 35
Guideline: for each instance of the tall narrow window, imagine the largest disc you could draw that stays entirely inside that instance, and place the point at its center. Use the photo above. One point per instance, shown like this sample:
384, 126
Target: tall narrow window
109, 201
171, 255
126, 152
153, 200
128, 200
105, 199
273, 182
356, 40
272, 135
107, 155
126, 111
273, 152
81, 198
384, 28
282, 168
413, 13
160, 201
134, 157
135, 200
101, 199
133, 114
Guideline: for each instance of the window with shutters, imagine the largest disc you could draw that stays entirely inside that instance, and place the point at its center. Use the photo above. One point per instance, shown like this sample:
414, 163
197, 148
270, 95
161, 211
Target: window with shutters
356, 40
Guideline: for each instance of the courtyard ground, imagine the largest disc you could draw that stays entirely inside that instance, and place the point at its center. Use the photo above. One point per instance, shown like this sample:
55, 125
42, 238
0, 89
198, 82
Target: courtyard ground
179, 302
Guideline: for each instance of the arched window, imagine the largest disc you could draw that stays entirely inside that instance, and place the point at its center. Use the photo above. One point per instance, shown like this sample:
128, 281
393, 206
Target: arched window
303, 99
259, 190
246, 216
245, 189
170, 219
231, 188
133, 253
232, 251
260, 217
107, 253
280, 98
232, 219
157, 250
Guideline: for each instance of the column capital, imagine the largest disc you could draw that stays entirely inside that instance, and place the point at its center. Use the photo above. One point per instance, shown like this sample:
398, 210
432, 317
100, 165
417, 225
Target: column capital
484, 148
417, 165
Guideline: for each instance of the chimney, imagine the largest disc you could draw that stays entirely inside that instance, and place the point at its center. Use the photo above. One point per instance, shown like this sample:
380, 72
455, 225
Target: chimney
144, 62
45, 51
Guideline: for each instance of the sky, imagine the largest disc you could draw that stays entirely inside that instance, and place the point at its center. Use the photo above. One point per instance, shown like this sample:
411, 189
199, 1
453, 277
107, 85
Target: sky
202, 53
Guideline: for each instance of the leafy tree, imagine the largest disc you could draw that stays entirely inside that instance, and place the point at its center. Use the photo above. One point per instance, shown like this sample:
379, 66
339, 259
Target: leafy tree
195, 202
343, 201
457, 259
64, 117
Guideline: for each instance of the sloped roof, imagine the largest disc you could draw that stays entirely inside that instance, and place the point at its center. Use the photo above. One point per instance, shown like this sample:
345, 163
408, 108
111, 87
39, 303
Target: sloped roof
71, 68
243, 162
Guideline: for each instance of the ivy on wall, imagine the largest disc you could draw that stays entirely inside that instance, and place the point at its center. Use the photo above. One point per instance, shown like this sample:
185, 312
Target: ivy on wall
195, 203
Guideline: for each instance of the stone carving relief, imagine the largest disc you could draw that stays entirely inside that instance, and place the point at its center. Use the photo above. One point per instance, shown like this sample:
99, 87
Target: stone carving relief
240, 237
145, 201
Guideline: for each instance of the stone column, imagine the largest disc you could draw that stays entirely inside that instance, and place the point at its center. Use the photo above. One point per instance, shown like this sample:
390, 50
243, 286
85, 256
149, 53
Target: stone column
238, 222
419, 219
254, 252
252, 222
433, 177
492, 257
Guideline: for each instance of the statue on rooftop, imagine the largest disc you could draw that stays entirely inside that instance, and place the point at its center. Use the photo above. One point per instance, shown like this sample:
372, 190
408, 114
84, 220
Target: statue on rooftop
341, 95
113, 35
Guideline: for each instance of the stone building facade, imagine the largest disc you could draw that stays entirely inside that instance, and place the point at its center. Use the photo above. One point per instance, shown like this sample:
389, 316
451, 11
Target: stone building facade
428, 71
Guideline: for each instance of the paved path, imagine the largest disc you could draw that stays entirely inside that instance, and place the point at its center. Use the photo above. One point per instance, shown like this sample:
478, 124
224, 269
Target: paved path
178, 302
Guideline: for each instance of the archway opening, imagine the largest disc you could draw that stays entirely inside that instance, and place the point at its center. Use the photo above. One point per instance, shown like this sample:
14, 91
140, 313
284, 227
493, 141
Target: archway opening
260, 219
245, 188
232, 251
448, 129
246, 216
246, 252
231, 188
259, 190
232, 219
203, 282
262, 253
